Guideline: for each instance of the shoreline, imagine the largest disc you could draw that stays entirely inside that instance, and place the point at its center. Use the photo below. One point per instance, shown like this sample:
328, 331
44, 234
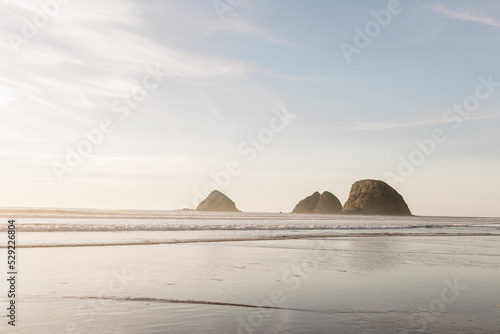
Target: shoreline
290, 237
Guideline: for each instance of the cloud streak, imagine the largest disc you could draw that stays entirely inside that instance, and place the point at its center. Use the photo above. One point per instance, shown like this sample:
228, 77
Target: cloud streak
467, 16
70, 68
365, 126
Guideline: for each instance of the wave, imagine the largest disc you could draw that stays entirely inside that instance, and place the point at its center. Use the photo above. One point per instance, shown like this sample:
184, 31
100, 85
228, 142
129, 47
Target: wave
180, 301
259, 238
239, 221
181, 227
223, 304
152, 226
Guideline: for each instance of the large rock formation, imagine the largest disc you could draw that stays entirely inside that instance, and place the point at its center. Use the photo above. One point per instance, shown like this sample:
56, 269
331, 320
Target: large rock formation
326, 203
308, 204
217, 201
374, 197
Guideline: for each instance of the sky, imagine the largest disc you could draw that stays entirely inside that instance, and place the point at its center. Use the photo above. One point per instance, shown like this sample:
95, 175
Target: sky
150, 104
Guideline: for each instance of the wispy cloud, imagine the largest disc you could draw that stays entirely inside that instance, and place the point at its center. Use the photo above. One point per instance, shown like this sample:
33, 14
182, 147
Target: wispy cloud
63, 81
363, 126
202, 21
467, 15
72, 69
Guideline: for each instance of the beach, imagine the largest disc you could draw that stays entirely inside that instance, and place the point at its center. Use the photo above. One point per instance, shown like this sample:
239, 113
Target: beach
249, 167
188, 272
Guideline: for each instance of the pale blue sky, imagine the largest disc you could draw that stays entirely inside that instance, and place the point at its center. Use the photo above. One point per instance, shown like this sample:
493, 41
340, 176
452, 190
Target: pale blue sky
223, 77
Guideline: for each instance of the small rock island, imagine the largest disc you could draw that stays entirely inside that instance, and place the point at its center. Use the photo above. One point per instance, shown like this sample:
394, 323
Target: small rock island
374, 197
325, 203
217, 202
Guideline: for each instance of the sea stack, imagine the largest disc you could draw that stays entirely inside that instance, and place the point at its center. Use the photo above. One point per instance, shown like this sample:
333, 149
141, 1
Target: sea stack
374, 197
325, 203
218, 202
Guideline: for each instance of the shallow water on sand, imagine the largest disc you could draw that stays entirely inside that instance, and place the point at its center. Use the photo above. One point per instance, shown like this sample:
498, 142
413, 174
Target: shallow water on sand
315, 274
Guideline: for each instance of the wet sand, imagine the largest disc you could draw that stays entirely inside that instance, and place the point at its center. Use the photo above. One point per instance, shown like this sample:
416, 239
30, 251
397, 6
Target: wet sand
347, 284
